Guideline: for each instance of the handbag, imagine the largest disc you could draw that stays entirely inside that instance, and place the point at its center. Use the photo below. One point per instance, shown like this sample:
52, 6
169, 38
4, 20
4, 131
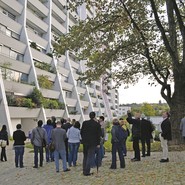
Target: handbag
3, 143
52, 147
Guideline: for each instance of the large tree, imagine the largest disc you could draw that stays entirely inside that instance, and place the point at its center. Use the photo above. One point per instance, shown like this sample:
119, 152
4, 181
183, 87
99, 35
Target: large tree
129, 39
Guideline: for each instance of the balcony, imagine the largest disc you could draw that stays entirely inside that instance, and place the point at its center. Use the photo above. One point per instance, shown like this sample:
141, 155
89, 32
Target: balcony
93, 100
12, 43
84, 103
63, 71
13, 25
35, 22
19, 88
58, 26
81, 90
71, 102
60, 2
23, 112
51, 76
54, 112
40, 56
34, 37
15, 64
17, 7
39, 7
47, 93
74, 64
67, 86
58, 11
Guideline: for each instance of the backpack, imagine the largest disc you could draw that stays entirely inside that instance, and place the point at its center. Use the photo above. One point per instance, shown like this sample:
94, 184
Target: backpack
121, 133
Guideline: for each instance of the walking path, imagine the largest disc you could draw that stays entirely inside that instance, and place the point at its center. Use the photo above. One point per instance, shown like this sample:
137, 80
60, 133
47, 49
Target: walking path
149, 171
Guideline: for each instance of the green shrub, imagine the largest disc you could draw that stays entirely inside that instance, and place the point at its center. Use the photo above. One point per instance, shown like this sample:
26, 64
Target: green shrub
44, 82
36, 97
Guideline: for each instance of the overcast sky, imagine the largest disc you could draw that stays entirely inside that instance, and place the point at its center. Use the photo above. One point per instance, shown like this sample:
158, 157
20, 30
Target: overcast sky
141, 92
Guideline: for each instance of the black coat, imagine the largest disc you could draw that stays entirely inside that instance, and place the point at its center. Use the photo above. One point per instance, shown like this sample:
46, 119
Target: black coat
19, 137
166, 129
146, 129
4, 136
91, 133
136, 125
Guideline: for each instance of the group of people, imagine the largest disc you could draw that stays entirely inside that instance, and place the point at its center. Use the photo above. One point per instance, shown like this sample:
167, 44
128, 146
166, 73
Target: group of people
142, 131
66, 136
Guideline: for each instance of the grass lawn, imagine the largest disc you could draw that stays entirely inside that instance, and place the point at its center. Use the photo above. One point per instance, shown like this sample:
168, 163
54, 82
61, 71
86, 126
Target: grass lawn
155, 146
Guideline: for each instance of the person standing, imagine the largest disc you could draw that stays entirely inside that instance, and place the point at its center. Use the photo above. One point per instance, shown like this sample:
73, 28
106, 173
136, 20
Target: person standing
4, 137
91, 133
67, 126
19, 137
117, 145
58, 137
38, 135
146, 135
165, 136
103, 129
136, 134
74, 138
182, 127
123, 124
49, 127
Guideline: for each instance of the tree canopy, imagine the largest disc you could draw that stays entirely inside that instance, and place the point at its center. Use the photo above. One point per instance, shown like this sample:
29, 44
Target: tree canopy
130, 39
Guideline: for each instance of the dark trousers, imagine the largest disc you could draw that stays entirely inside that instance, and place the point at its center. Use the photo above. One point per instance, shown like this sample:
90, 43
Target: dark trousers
19, 152
38, 149
89, 157
117, 147
136, 148
148, 145
67, 149
3, 154
49, 155
124, 147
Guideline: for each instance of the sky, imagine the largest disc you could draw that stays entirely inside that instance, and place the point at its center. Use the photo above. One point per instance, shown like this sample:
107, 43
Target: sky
141, 92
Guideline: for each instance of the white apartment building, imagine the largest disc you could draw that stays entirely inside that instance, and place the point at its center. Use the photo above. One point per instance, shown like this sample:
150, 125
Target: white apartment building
27, 33
122, 110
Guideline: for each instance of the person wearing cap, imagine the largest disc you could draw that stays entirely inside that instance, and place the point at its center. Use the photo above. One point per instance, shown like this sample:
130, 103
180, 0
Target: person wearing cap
165, 136
146, 135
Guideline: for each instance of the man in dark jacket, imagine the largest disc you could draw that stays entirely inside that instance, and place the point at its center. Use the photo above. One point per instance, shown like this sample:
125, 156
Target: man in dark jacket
136, 134
146, 135
38, 135
165, 136
91, 133
19, 138
67, 126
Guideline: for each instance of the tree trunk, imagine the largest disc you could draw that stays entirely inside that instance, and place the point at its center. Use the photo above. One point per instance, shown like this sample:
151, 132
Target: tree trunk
177, 106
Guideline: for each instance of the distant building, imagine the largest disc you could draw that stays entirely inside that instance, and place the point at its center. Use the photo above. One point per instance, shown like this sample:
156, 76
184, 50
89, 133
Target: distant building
122, 110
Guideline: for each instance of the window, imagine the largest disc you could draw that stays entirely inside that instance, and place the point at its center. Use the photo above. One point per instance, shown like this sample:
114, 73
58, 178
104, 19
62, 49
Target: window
15, 35
8, 32
10, 15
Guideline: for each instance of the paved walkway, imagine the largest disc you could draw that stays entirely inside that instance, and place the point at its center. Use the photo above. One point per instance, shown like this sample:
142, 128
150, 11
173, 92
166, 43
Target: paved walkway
149, 171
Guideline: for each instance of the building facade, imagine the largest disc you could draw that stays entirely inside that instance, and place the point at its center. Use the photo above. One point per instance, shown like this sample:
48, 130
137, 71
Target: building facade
34, 84
122, 110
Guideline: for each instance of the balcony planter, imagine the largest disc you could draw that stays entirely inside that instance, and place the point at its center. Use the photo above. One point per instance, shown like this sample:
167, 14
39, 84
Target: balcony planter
23, 112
